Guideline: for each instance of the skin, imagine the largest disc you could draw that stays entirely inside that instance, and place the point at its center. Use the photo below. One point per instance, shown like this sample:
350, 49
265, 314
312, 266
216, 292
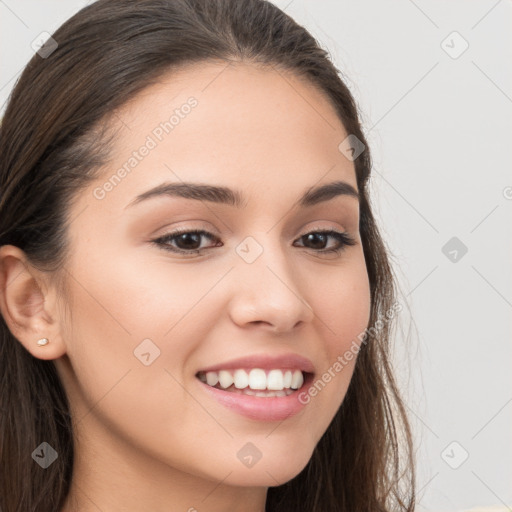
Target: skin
149, 437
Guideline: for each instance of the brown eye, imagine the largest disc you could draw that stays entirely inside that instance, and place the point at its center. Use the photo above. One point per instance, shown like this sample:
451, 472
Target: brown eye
186, 241
318, 239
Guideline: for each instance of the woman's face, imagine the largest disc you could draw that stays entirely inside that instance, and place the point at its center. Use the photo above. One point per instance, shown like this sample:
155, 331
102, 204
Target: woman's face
145, 320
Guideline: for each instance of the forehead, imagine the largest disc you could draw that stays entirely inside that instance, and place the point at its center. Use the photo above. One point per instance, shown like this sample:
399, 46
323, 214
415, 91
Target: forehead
249, 127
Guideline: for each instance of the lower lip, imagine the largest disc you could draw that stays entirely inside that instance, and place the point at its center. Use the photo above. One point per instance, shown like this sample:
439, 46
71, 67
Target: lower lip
273, 408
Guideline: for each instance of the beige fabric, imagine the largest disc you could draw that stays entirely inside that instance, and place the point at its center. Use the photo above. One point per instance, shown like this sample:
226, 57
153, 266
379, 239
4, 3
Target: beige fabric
494, 508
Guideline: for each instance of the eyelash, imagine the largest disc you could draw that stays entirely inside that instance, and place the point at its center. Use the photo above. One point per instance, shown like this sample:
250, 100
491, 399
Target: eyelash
343, 238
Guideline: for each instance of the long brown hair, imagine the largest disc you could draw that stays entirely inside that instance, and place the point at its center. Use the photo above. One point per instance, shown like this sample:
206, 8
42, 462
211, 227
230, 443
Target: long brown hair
53, 141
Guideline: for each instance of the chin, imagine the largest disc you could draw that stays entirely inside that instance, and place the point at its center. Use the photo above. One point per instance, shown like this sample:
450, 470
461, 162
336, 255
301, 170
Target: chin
276, 470
265, 477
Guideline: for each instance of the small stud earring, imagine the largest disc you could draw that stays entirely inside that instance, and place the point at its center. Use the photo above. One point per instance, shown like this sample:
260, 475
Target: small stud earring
43, 341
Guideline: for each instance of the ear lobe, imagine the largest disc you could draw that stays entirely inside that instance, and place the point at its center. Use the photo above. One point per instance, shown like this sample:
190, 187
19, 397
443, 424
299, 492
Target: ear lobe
24, 305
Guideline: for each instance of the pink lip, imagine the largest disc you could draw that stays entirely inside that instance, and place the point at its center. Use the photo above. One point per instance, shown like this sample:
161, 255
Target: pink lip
260, 408
265, 362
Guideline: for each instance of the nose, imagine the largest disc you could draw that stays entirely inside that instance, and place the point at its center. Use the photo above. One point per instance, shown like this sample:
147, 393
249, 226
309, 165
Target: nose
269, 292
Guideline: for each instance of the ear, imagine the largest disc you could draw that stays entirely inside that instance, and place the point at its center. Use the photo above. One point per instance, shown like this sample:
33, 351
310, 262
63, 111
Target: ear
28, 305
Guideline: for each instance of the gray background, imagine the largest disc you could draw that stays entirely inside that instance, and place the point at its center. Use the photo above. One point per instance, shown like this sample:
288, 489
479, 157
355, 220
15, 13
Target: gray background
439, 126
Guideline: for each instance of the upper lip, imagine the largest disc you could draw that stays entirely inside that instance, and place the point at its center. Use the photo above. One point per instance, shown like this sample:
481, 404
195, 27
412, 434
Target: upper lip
265, 362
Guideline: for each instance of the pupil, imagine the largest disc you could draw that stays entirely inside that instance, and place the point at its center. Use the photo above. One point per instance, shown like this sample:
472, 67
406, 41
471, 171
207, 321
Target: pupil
312, 235
187, 236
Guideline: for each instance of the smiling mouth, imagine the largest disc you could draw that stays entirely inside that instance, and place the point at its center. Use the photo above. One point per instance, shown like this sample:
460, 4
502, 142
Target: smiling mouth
256, 381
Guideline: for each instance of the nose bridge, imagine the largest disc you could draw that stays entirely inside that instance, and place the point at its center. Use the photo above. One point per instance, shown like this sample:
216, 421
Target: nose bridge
266, 288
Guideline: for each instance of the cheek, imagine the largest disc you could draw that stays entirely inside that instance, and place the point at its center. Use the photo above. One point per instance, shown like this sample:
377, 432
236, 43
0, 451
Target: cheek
118, 306
139, 327
129, 375
343, 308
342, 302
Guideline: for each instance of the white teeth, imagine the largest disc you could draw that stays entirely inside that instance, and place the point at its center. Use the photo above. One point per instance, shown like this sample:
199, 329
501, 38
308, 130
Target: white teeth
287, 379
212, 378
249, 391
241, 379
272, 383
275, 380
225, 379
257, 379
297, 379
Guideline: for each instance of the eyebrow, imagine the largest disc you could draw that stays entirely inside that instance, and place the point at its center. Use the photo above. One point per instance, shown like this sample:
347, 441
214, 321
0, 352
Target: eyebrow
235, 198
